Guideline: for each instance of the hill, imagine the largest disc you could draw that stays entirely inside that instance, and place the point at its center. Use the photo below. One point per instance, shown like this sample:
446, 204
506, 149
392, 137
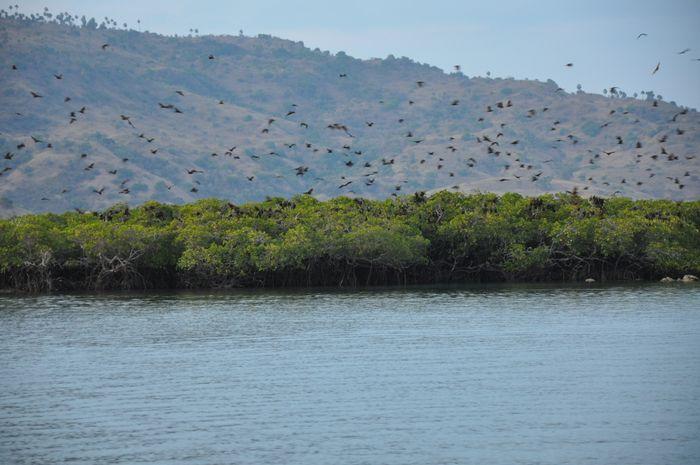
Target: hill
262, 116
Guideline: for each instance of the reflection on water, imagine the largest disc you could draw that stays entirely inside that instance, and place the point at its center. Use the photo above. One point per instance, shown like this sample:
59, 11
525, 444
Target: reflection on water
399, 376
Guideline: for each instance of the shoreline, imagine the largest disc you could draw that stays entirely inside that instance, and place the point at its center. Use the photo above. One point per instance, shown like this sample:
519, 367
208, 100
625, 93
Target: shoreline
475, 286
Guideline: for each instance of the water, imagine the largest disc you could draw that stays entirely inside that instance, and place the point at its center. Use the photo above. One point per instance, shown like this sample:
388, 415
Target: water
496, 375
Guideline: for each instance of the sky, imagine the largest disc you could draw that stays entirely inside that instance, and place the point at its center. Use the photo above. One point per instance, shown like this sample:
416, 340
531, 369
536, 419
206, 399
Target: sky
509, 38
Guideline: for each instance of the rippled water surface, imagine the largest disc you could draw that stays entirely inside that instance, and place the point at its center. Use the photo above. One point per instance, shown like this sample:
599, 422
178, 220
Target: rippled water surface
502, 375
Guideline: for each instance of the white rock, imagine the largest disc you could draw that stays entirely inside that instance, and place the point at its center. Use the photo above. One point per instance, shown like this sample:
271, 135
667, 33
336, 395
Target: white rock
689, 278
667, 279
590, 280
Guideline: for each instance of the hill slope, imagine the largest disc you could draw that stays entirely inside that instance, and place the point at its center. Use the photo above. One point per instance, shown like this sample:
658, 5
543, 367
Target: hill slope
348, 116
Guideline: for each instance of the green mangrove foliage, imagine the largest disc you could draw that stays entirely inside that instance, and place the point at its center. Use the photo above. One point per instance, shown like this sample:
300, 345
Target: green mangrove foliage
447, 237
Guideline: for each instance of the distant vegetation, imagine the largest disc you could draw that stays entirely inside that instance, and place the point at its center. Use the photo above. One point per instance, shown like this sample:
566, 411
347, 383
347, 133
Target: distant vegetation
447, 237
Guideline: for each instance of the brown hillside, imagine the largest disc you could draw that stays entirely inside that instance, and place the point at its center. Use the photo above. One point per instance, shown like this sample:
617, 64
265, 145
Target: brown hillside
561, 138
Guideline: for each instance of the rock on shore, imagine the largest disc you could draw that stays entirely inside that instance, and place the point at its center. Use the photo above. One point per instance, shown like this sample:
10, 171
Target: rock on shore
688, 278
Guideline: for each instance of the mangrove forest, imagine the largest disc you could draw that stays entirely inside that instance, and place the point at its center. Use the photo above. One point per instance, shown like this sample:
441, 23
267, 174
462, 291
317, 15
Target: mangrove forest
444, 238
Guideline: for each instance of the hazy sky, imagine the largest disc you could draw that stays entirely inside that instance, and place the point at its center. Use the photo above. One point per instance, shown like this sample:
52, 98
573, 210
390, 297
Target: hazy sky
522, 39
